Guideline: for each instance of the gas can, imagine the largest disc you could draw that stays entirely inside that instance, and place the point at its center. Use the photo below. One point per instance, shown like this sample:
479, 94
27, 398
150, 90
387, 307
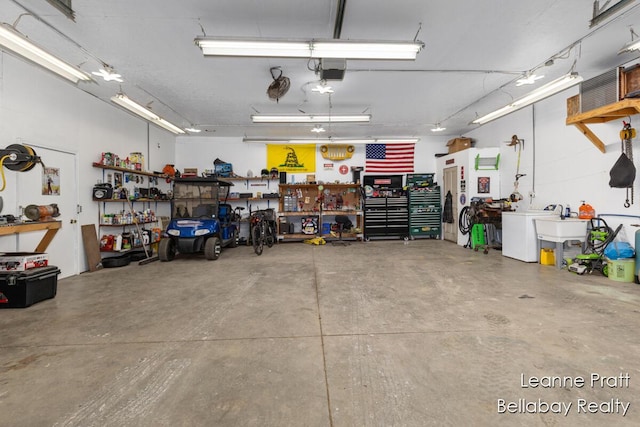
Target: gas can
586, 211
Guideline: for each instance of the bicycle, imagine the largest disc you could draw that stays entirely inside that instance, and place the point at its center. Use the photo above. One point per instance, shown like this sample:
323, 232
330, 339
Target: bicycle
236, 217
262, 230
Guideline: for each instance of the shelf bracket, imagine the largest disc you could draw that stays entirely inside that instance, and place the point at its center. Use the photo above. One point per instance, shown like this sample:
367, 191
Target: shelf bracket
616, 111
591, 136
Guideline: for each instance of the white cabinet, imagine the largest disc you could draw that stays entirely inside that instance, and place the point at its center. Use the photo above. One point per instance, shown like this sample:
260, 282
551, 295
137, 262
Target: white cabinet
519, 237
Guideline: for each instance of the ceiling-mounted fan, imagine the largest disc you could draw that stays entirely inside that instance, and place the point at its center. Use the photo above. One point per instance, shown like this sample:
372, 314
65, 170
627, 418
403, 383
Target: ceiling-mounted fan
280, 85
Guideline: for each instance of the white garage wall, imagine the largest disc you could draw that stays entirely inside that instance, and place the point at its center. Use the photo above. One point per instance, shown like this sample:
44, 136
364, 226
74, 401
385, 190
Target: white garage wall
200, 152
561, 165
42, 109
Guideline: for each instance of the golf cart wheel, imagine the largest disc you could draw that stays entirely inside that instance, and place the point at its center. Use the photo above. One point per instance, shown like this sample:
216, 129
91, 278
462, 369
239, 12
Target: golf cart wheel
166, 250
235, 240
212, 248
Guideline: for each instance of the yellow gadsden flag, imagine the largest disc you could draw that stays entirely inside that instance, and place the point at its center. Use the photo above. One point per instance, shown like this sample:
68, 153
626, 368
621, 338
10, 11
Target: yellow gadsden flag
295, 158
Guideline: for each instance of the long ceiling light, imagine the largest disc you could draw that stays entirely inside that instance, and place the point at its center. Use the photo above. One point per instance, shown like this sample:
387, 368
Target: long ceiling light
124, 101
542, 92
342, 49
632, 45
332, 141
14, 41
310, 118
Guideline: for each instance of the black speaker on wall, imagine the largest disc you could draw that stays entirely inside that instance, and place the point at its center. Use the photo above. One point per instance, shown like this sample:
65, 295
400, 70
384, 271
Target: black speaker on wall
283, 177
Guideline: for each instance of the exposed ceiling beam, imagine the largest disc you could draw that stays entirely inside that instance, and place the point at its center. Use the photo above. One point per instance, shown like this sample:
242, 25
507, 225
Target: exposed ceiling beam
337, 27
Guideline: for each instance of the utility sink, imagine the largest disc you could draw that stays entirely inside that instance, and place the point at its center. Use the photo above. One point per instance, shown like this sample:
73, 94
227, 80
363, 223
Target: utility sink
560, 230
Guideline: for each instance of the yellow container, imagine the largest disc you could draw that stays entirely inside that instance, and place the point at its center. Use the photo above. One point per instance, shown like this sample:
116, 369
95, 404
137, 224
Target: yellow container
622, 270
547, 256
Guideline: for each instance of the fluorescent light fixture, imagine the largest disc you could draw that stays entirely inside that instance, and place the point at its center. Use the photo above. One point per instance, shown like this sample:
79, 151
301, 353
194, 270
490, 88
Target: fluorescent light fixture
438, 128
14, 41
329, 141
193, 130
632, 45
282, 48
310, 118
365, 50
395, 140
540, 93
169, 126
332, 141
125, 102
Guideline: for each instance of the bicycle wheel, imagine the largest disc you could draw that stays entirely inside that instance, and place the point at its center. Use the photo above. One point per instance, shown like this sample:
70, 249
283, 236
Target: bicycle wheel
270, 235
257, 239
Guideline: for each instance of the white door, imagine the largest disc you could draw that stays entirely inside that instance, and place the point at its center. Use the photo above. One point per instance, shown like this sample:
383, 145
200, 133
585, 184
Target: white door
450, 176
63, 251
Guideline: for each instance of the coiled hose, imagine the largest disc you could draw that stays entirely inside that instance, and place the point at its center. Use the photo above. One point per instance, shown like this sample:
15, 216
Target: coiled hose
465, 223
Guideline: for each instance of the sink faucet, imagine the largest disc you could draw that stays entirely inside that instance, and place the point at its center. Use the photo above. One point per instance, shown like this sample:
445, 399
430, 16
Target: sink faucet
561, 211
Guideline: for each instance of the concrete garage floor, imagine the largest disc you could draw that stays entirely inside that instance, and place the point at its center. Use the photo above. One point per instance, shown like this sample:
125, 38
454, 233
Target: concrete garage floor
372, 334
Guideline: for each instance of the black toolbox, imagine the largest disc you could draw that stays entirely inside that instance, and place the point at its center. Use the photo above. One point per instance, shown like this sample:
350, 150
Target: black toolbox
23, 288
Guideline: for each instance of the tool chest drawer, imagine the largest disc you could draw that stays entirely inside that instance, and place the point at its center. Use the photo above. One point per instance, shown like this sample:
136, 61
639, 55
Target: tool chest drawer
386, 217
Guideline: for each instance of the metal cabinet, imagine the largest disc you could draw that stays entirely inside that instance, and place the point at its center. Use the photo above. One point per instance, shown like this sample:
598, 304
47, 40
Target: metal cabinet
386, 217
425, 212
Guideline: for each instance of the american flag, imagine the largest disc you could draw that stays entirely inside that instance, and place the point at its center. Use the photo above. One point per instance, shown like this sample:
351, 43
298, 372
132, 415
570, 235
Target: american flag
389, 157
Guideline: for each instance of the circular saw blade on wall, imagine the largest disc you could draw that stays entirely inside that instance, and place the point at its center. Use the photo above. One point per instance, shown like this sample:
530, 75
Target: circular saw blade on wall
279, 86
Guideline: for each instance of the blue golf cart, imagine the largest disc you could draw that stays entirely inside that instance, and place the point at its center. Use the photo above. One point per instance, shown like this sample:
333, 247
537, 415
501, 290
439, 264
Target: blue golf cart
200, 222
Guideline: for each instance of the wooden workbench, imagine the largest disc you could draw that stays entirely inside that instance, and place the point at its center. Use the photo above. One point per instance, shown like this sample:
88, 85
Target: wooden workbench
52, 228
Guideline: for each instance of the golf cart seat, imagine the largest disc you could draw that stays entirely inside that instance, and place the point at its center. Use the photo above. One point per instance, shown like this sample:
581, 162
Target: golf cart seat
224, 212
201, 211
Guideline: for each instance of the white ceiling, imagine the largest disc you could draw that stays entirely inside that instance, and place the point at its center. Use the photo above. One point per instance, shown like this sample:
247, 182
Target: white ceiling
474, 51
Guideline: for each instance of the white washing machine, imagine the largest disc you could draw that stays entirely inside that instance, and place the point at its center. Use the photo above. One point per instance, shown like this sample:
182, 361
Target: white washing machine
519, 237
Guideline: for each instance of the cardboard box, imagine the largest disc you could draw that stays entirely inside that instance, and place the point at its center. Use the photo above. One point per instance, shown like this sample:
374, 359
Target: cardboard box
21, 261
189, 172
459, 144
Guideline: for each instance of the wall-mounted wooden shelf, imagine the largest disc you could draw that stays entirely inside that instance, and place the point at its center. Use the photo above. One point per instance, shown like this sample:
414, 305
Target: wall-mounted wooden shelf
607, 113
131, 171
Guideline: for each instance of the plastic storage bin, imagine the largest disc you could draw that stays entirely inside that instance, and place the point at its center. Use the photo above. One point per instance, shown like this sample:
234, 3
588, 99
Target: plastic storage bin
24, 288
622, 270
